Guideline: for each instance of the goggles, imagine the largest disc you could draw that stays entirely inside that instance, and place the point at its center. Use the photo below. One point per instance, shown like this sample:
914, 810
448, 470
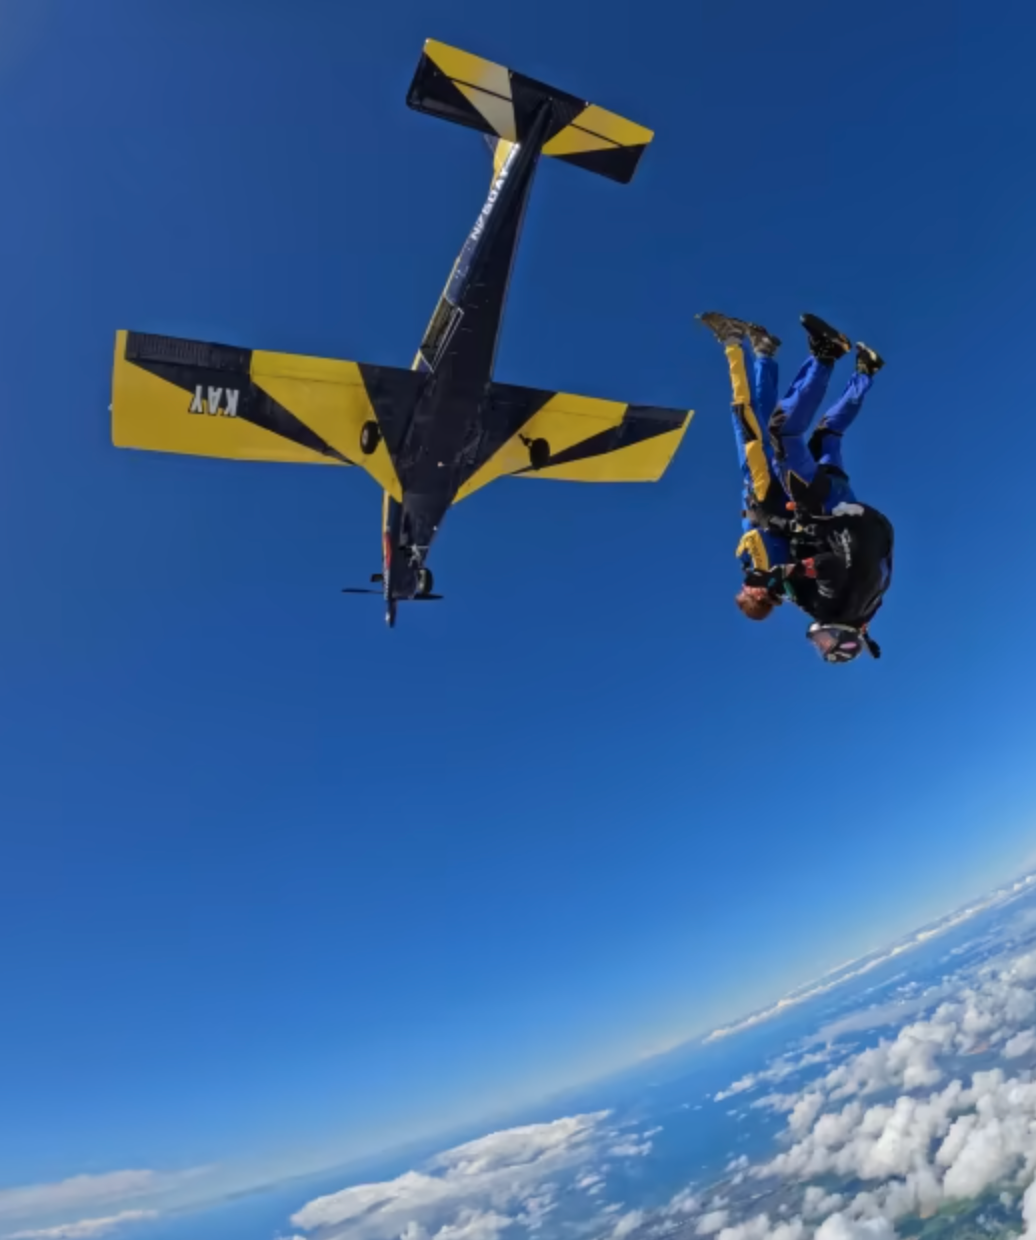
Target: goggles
840, 643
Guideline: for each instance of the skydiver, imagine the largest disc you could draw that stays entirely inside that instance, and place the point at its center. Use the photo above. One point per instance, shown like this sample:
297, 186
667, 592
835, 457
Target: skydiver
831, 555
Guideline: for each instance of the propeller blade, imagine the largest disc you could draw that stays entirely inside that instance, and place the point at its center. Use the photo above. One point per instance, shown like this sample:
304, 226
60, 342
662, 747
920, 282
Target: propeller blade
361, 590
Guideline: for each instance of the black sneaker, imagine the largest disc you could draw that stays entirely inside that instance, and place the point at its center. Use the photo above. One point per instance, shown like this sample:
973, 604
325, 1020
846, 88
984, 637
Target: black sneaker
764, 343
727, 330
867, 361
826, 343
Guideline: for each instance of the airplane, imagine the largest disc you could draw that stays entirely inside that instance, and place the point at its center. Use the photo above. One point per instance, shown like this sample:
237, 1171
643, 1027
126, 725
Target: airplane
433, 434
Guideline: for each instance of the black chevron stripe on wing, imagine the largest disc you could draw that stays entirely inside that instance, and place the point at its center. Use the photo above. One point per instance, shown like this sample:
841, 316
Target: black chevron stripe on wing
188, 364
394, 394
641, 422
508, 408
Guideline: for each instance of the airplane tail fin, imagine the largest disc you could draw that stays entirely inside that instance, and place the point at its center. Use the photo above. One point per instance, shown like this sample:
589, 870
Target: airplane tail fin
468, 90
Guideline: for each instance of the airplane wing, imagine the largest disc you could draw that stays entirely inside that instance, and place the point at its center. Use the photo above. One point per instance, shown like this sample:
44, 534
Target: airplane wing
186, 396
581, 438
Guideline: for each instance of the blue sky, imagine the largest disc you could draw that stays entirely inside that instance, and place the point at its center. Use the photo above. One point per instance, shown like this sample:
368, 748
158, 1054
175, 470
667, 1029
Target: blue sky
278, 886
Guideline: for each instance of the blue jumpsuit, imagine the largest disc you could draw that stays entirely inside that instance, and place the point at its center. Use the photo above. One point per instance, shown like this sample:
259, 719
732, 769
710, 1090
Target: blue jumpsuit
784, 454
754, 400
791, 423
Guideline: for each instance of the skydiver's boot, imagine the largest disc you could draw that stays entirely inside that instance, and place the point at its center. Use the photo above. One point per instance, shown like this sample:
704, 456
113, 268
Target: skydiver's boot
826, 343
727, 330
868, 362
764, 343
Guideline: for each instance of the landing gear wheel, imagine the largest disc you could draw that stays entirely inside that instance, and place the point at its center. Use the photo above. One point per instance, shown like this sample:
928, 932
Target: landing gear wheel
370, 437
539, 453
425, 582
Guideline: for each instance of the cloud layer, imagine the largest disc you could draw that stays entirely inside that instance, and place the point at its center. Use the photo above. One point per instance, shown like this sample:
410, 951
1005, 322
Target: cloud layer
85, 1206
85, 1229
865, 964
909, 1118
475, 1191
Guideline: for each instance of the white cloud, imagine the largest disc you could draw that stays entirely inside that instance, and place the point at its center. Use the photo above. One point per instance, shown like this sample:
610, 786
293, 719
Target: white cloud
86, 1228
712, 1222
627, 1223
760, 1228
82, 1194
77, 1193
630, 1149
816, 1203
866, 964
872, 1018
1029, 1212
471, 1192
474, 1225
1021, 1044
738, 1087
932, 1137
779, 1071
904, 1118
839, 1227
804, 1112
685, 1202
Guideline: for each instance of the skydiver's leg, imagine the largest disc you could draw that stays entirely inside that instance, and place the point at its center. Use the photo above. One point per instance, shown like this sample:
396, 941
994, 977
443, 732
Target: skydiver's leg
748, 433
758, 548
764, 371
791, 420
826, 441
764, 385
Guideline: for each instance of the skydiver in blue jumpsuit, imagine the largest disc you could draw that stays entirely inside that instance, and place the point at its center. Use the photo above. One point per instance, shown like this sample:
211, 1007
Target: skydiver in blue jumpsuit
833, 558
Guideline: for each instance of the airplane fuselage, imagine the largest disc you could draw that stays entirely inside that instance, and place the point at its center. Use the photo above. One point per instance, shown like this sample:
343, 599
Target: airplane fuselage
441, 442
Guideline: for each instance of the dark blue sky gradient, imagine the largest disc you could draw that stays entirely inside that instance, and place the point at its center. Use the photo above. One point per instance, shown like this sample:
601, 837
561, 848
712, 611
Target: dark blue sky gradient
276, 883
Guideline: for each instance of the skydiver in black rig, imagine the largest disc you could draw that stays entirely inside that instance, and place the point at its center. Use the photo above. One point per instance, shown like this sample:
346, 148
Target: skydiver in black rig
807, 538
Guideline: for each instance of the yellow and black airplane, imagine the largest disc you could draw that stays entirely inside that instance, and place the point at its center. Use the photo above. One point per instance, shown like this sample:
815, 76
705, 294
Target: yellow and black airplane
433, 434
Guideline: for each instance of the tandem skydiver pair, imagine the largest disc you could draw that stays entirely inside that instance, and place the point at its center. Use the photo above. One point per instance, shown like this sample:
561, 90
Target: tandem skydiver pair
807, 538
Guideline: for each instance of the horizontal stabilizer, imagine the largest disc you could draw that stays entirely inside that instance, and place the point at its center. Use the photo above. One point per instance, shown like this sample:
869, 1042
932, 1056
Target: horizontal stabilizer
188, 396
544, 434
468, 90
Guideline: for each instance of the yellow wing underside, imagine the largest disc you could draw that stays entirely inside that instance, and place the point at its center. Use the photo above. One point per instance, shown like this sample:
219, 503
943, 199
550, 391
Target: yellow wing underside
182, 396
316, 409
589, 440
